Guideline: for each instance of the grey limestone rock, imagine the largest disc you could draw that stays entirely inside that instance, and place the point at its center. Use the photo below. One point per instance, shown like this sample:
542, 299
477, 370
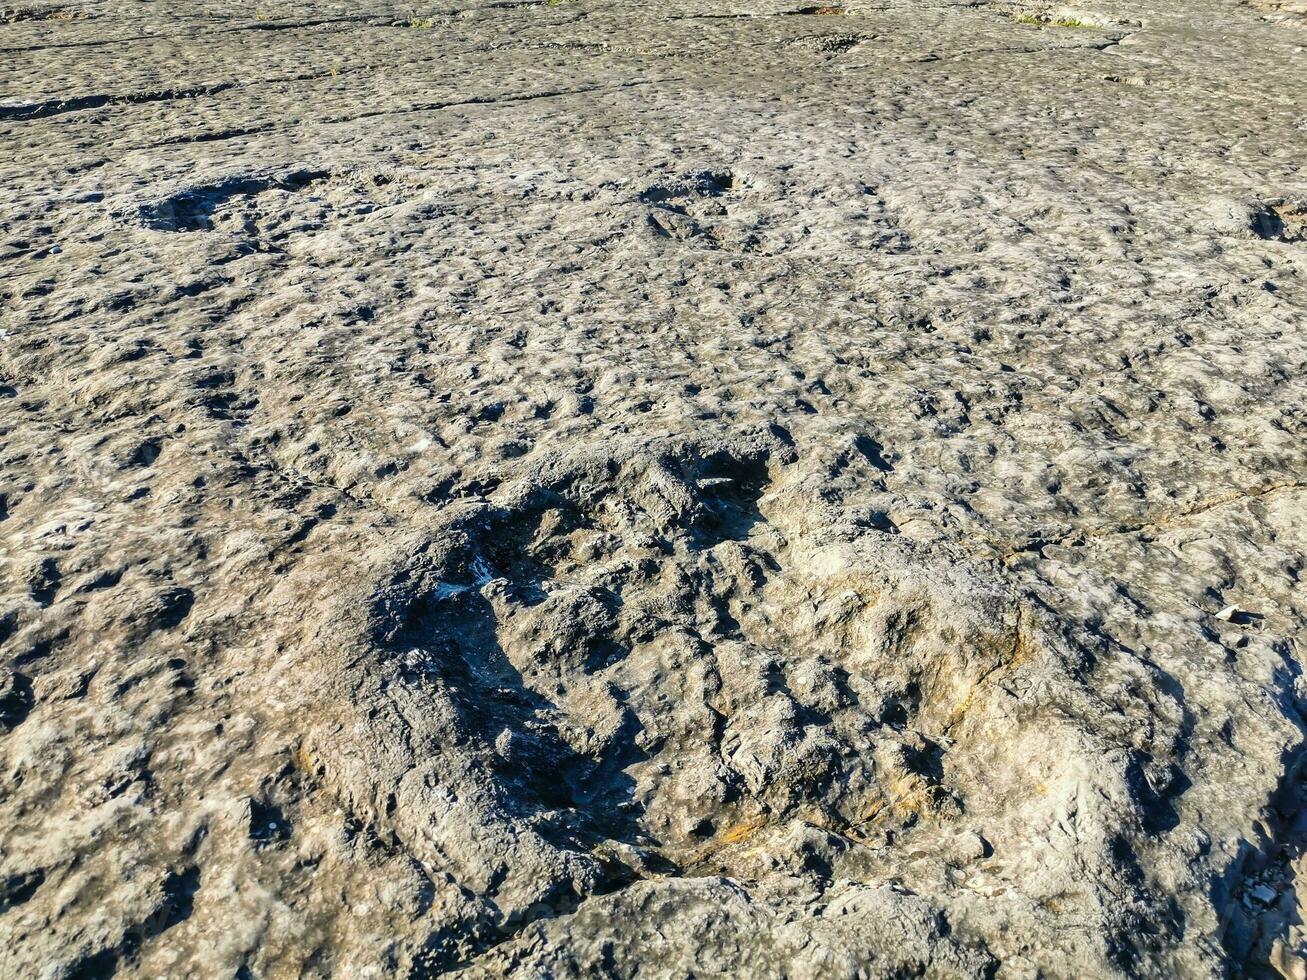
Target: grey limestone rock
652, 490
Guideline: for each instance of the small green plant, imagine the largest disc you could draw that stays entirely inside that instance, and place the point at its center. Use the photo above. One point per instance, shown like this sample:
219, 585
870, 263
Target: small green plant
261, 15
422, 23
1043, 20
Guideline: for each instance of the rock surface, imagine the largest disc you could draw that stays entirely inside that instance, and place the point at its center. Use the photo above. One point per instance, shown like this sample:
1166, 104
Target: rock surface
661, 490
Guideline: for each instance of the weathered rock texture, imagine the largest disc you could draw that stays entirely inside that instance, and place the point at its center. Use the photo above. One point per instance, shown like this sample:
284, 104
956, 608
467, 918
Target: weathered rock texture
652, 489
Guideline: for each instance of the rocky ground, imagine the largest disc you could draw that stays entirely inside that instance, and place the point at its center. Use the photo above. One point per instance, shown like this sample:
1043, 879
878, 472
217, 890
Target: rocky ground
696, 488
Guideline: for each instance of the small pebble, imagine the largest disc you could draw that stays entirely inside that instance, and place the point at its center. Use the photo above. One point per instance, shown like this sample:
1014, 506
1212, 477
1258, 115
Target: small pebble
971, 846
1227, 614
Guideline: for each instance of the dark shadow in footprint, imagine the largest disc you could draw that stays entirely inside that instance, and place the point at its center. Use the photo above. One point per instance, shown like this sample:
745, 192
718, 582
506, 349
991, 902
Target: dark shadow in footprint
452, 639
729, 491
704, 183
193, 210
16, 701
1281, 222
